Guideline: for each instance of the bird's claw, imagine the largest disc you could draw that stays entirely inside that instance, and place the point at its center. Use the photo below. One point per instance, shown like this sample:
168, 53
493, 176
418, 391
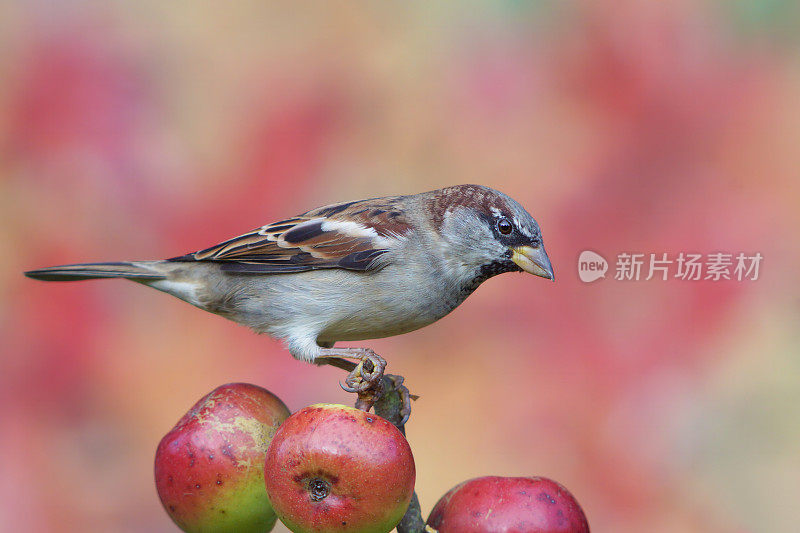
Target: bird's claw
347, 388
366, 375
366, 380
356, 386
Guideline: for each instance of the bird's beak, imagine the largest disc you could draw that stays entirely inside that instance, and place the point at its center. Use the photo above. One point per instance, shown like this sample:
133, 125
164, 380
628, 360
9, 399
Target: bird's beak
533, 260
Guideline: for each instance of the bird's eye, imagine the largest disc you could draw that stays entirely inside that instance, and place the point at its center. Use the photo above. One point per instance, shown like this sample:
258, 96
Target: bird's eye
504, 226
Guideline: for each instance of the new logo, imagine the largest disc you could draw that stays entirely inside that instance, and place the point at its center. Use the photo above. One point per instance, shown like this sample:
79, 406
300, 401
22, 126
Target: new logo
591, 266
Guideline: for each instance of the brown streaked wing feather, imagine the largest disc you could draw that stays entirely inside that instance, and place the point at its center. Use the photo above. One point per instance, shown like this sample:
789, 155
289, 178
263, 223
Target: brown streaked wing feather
301, 243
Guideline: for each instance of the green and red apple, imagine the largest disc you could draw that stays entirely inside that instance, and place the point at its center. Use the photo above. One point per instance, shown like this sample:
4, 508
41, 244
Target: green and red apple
209, 468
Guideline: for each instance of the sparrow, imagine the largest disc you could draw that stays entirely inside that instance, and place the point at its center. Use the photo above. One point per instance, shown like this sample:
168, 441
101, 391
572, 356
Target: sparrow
349, 271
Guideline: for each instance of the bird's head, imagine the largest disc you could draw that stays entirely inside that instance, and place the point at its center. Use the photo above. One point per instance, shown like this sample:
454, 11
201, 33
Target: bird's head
489, 232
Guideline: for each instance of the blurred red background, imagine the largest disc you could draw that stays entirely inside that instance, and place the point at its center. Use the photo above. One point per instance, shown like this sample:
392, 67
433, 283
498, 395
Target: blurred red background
150, 129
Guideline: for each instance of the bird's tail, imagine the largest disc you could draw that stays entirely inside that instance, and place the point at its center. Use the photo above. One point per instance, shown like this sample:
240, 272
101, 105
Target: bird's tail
139, 270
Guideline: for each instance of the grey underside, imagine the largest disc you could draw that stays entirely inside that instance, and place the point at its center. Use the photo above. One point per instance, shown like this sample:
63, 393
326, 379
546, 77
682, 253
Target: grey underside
320, 307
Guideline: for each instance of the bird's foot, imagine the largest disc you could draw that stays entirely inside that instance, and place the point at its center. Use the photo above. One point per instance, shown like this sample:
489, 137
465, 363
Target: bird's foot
364, 378
367, 373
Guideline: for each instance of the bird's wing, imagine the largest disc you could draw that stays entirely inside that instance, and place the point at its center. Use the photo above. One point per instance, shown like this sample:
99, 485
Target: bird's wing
351, 235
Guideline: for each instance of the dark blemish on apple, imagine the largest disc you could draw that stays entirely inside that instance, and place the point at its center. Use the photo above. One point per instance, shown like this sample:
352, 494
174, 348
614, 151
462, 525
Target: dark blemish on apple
172, 508
369, 419
222, 511
191, 461
544, 497
197, 485
219, 482
318, 489
211, 457
169, 480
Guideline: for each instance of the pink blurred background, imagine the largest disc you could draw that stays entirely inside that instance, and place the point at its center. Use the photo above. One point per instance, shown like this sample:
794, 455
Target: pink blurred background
150, 129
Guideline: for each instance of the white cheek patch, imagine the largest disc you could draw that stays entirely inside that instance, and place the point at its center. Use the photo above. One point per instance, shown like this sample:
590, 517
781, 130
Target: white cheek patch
496, 212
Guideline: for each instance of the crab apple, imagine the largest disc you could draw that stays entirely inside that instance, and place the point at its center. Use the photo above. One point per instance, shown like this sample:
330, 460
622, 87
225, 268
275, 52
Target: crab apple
495, 504
210, 467
336, 468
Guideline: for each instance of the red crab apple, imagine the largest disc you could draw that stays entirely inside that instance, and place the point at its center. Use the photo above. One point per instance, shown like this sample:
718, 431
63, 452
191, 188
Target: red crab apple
495, 504
335, 468
210, 468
